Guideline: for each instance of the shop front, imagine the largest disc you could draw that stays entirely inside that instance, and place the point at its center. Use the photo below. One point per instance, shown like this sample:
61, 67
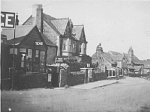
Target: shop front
28, 50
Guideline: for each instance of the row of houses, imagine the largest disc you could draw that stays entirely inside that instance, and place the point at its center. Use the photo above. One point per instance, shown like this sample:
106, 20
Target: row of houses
115, 63
44, 42
40, 41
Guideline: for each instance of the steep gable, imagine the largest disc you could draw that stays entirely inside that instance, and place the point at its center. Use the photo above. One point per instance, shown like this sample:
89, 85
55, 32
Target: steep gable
61, 24
78, 33
77, 30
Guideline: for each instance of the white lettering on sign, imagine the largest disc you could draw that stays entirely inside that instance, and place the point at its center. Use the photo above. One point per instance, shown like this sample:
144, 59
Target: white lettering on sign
38, 43
2, 16
7, 19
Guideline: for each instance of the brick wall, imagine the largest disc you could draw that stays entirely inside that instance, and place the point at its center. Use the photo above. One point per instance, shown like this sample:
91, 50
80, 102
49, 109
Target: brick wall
99, 76
6, 84
75, 78
30, 81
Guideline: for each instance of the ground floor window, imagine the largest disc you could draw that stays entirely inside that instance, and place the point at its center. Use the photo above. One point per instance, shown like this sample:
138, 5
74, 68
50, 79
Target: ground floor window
111, 73
30, 60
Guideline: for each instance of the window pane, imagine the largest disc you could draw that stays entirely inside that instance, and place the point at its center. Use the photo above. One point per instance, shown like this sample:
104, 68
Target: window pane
37, 53
30, 53
64, 44
42, 55
22, 64
42, 61
11, 50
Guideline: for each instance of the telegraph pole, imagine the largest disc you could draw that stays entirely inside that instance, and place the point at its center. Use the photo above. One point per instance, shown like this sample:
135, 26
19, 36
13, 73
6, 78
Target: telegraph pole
13, 68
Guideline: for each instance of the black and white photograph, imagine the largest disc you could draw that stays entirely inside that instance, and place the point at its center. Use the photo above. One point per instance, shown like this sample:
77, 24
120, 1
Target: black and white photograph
75, 56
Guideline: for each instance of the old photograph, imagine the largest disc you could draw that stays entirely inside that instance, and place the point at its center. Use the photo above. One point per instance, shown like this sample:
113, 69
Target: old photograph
75, 56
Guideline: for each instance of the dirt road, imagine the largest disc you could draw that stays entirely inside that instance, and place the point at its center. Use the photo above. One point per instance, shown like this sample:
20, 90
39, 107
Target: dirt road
129, 95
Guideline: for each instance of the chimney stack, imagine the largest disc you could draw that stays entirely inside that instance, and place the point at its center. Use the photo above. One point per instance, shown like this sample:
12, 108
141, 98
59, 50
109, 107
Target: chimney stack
37, 14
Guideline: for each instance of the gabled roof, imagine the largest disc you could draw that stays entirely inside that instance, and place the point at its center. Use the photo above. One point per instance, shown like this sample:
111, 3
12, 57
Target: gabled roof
60, 24
105, 55
48, 17
135, 59
77, 30
17, 41
108, 57
47, 41
29, 21
114, 53
20, 31
116, 56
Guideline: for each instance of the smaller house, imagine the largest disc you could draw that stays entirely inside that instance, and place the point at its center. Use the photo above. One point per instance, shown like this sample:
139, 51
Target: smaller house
107, 63
28, 49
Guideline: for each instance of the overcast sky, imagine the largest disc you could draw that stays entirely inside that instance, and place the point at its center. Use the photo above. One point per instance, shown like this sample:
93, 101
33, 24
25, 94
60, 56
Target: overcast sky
116, 24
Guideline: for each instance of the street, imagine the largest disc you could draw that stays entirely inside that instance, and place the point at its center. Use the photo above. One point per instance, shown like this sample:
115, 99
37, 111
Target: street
128, 95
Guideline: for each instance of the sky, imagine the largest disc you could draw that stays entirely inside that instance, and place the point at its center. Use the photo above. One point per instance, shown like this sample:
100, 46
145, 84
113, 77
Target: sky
116, 24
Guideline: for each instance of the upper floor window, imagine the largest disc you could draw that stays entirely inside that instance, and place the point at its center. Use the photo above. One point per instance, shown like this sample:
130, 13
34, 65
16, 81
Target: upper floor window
64, 44
79, 47
74, 46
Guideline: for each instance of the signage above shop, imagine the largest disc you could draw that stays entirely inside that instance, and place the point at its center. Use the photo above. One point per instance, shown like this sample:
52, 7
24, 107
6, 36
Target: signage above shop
59, 60
38, 43
7, 19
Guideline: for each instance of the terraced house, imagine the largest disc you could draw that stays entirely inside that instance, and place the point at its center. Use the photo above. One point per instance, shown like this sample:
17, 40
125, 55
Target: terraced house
70, 39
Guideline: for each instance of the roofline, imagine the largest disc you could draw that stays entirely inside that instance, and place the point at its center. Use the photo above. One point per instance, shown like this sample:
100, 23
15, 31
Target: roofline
78, 25
27, 34
27, 20
52, 27
60, 18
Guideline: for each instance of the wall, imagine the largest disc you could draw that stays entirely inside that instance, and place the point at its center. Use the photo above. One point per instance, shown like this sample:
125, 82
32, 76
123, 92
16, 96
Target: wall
30, 81
51, 54
75, 78
99, 76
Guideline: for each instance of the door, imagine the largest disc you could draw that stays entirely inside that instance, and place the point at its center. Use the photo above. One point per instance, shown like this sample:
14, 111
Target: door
55, 81
55, 76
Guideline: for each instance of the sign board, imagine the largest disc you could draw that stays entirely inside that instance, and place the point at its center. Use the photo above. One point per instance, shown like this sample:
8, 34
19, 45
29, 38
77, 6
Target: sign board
59, 60
7, 19
49, 77
38, 43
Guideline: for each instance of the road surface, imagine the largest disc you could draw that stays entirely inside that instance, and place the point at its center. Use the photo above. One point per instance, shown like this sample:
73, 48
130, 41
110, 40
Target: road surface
128, 95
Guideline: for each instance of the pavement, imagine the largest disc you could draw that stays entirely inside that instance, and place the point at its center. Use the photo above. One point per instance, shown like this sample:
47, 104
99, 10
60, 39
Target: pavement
93, 85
